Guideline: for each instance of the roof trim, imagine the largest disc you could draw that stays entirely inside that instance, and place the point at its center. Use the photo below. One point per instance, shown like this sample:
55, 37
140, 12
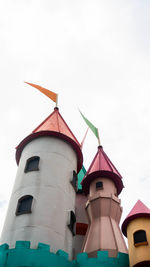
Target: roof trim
131, 218
105, 174
67, 139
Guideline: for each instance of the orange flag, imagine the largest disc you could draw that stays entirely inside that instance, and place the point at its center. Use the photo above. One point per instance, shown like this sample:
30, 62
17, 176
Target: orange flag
45, 91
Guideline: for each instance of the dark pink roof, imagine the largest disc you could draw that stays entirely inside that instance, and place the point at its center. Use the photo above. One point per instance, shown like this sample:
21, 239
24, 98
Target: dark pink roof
139, 210
101, 166
53, 125
55, 122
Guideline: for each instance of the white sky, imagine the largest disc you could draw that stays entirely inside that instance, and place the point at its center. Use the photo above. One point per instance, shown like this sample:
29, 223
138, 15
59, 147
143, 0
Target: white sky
96, 55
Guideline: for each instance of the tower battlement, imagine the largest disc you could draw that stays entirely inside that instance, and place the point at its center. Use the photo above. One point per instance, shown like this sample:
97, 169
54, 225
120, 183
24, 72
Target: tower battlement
24, 256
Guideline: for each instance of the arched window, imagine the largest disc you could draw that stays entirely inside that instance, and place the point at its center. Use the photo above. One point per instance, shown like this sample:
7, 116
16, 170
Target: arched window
99, 185
71, 221
24, 205
140, 238
74, 180
32, 164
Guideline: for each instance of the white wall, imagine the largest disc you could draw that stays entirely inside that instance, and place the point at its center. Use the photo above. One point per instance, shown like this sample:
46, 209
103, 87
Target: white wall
53, 196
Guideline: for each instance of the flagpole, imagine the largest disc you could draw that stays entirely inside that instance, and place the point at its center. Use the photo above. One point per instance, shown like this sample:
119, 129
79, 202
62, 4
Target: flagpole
84, 138
99, 143
56, 100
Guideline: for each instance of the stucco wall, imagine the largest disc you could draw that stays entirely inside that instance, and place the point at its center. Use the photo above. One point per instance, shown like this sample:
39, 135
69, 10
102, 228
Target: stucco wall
142, 252
104, 213
53, 196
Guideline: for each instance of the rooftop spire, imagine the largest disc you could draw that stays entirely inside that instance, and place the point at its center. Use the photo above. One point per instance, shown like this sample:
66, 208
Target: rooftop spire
101, 166
55, 122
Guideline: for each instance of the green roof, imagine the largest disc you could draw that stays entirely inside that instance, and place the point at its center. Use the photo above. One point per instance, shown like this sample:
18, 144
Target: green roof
81, 174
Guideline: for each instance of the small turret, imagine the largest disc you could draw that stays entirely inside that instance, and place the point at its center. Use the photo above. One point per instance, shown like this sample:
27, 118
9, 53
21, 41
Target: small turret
103, 183
136, 227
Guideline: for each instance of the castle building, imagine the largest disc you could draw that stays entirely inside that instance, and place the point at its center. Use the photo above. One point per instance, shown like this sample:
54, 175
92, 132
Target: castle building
62, 216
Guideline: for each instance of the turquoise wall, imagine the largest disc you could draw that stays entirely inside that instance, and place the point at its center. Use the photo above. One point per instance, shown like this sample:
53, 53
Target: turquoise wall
23, 256
81, 174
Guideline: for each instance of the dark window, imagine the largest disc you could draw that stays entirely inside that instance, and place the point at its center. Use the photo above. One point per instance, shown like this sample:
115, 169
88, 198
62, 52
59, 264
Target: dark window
72, 220
32, 164
74, 180
140, 238
99, 185
24, 205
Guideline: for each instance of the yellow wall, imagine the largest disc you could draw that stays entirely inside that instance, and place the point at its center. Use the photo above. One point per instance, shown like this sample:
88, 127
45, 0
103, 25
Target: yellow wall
142, 252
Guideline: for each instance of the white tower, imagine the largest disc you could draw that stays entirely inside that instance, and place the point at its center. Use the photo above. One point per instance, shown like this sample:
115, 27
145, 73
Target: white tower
42, 204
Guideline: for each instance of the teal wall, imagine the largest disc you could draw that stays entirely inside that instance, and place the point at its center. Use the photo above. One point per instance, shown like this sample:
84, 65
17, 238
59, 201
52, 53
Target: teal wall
23, 256
81, 175
102, 260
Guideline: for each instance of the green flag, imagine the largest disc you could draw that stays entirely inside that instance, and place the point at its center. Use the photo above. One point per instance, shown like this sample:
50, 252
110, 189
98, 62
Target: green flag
91, 126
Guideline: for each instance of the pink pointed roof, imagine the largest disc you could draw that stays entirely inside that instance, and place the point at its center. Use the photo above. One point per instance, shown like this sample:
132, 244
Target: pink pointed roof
101, 166
53, 125
55, 122
139, 210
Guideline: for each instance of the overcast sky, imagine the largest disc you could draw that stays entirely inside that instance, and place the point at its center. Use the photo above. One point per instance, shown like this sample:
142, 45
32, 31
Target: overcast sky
96, 55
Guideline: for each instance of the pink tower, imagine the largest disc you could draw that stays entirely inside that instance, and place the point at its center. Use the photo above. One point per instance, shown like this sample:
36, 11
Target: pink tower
103, 184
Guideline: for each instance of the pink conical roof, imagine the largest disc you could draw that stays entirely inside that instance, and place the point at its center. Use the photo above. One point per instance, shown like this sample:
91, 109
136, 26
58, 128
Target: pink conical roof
55, 122
53, 125
139, 210
101, 166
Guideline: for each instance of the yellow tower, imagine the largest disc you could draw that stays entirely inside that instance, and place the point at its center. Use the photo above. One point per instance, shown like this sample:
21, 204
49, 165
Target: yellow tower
136, 227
